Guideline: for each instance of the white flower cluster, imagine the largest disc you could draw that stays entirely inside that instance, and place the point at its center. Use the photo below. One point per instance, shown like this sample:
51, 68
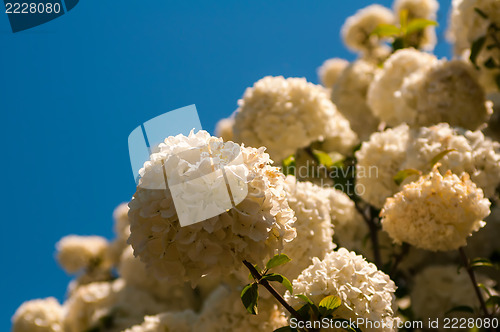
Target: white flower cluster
313, 225
417, 89
365, 291
400, 148
287, 114
76, 253
39, 316
357, 29
181, 321
330, 71
467, 26
253, 230
436, 212
350, 95
438, 289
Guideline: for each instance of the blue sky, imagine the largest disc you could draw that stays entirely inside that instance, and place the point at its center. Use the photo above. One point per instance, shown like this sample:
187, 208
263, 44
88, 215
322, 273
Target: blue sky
73, 89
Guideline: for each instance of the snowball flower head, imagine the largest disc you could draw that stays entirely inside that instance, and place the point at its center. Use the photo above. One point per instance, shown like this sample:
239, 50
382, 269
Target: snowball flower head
357, 29
330, 71
287, 114
254, 229
384, 92
223, 311
224, 129
43, 315
350, 93
438, 289
436, 212
76, 253
365, 291
313, 225
179, 321
448, 92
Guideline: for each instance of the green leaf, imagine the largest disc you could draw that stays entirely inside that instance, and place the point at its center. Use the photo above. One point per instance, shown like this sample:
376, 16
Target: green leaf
289, 165
460, 308
475, 49
490, 63
277, 260
481, 13
419, 24
329, 304
249, 297
279, 278
352, 326
481, 262
323, 158
304, 298
398, 44
440, 156
386, 30
305, 311
403, 174
493, 301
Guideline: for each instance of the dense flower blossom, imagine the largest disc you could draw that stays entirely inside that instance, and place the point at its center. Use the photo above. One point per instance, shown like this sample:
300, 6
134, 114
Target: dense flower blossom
253, 230
75, 253
314, 228
436, 212
365, 291
44, 315
400, 148
223, 311
178, 321
357, 29
438, 289
287, 114
113, 305
349, 94
330, 71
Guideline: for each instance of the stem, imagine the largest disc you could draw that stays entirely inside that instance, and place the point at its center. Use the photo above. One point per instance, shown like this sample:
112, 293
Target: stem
270, 288
399, 257
472, 277
373, 235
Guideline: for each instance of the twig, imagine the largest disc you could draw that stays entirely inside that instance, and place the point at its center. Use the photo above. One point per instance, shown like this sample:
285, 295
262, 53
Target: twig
472, 277
373, 234
270, 288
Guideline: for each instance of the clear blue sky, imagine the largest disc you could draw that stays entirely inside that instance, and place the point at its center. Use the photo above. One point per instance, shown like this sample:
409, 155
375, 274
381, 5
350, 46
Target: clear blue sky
73, 89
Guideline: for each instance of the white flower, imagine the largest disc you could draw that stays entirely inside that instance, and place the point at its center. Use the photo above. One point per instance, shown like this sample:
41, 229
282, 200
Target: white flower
357, 29
426, 9
350, 93
365, 291
224, 129
76, 253
287, 114
330, 71
438, 289
379, 160
384, 92
313, 225
436, 212
175, 295
44, 315
393, 150
253, 230
121, 228
181, 321
224, 312
111, 305
448, 92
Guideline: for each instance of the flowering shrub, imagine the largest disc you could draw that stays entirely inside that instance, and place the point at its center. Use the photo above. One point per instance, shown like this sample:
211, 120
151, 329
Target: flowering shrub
381, 212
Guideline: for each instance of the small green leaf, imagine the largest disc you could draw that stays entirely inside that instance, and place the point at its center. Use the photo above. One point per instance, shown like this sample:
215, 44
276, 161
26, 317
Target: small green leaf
419, 24
481, 262
493, 301
304, 298
440, 156
481, 13
490, 63
460, 308
323, 158
403, 174
351, 324
249, 297
386, 30
277, 260
289, 165
475, 49
329, 304
279, 278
